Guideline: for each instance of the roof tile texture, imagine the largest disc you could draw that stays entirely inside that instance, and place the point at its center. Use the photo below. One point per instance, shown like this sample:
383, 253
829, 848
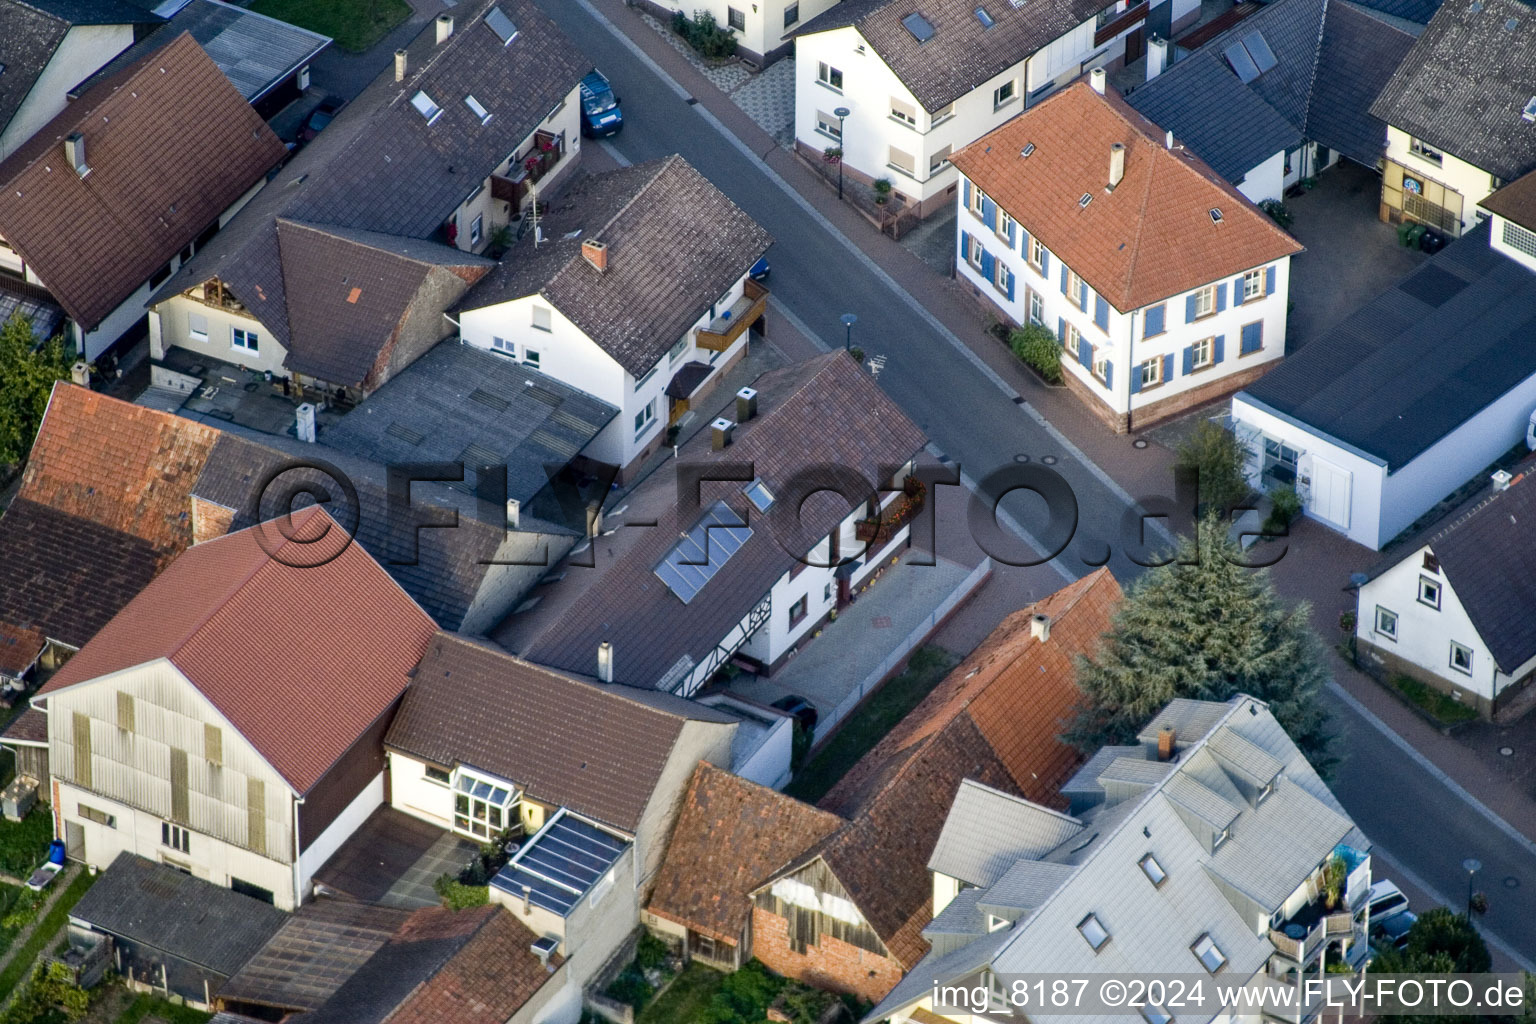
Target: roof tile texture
1150, 239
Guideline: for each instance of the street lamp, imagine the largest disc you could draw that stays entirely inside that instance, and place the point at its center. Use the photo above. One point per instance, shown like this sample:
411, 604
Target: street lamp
841, 113
1472, 866
848, 321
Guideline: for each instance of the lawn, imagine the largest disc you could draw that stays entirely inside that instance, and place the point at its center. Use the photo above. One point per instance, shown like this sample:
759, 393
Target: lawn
21, 964
354, 24
686, 998
173, 1013
1440, 706
872, 720
24, 844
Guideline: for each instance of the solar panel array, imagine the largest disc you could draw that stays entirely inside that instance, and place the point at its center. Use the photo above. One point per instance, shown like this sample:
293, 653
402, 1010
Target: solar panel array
702, 551
561, 864
1251, 57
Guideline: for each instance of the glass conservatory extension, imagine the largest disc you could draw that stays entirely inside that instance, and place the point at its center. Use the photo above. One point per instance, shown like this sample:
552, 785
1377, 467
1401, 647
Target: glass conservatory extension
483, 804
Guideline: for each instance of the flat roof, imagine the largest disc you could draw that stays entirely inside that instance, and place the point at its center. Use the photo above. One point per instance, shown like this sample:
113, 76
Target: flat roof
561, 864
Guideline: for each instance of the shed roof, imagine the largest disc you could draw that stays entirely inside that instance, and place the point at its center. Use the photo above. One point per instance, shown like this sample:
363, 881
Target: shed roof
313, 952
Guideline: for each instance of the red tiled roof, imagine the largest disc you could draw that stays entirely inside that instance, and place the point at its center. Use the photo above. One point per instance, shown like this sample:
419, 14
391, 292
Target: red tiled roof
19, 648
121, 466
1150, 239
485, 982
170, 144
731, 835
300, 660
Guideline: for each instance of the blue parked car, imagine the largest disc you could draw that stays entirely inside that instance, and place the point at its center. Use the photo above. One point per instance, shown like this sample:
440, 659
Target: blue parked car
600, 114
759, 272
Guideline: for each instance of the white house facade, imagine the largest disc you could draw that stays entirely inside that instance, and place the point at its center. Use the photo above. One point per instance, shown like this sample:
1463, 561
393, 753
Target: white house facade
763, 30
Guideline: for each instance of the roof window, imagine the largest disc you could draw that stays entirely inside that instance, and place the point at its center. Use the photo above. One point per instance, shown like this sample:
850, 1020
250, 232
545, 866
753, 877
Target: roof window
478, 108
501, 25
987, 21
1154, 1014
1207, 952
758, 493
1087, 198
920, 27
1215, 215
425, 107
1093, 931
1027, 151
1529, 113
1153, 870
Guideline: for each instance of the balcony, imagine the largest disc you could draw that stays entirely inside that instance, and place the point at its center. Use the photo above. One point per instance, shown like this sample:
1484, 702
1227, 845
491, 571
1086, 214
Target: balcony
1130, 17
724, 329
1300, 938
542, 157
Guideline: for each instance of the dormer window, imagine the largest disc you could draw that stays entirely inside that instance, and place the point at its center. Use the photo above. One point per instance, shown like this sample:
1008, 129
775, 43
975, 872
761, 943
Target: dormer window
1269, 787
425, 107
995, 923
477, 108
1094, 932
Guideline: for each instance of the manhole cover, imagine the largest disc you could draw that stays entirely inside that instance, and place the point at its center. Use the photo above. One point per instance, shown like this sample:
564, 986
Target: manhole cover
1021, 458
1511, 882
1507, 751
1049, 460
1140, 442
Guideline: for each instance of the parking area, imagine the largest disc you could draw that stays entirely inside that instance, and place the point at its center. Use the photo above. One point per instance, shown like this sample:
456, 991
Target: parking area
1351, 255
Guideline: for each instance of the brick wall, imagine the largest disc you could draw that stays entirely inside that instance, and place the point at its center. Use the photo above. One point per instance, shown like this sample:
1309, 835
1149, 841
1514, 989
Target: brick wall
210, 520
1222, 386
831, 964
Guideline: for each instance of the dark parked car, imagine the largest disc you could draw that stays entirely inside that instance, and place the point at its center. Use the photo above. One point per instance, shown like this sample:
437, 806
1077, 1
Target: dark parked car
320, 117
760, 269
803, 710
600, 114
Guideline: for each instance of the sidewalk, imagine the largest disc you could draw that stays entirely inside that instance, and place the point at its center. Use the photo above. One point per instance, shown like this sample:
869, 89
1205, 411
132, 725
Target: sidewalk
1318, 576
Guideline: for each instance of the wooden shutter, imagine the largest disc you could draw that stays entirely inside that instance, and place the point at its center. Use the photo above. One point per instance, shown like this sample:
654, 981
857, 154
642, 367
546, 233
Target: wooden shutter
1011, 278
1101, 312
988, 265
1221, 296
1063, 279
1217, 346
1253, 338
1189, 359
256, 815
1061, 330
1152, 323
1189, 308
1045, 264
82, 743
965, 247
1237, 290
179, 803
1082, 294
1109, 374
966, 183
1085, 353
1135, 378
1168, 367
125, 710
1013, 232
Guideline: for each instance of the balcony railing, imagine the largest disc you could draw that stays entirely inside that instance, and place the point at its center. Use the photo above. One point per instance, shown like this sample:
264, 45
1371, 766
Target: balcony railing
1132, 16
542, 157
1300, 944
724, 329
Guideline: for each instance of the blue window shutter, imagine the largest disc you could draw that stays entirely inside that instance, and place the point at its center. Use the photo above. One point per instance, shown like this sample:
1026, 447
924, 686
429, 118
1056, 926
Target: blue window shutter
1221, 296
1168, 367
967, 193
1013, 233
1135, 379
1085, 352
1109, 375
1061, 330
989, 213
1217, 346
1253, 338
1269, 280
1153, 322
1101, 312
1045, 264
988, 264
1189, 359
1082, 294
965, 247
1063, 279
1189, 309
1237, 290
1011, 278
1024, 236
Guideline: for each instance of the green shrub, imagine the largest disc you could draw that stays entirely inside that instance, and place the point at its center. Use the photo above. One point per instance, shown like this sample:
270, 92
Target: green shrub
1284, 507
24, 844
458, 896
631, 988
1038, 348
1214, 453
22, 910
704, 34
1278, 212
51, 995
651, 953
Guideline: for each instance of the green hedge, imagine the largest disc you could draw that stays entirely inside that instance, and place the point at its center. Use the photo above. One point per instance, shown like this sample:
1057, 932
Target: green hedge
1038, 348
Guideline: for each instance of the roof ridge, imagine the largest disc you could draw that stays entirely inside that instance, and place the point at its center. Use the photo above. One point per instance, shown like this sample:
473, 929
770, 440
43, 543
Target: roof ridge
1317, 59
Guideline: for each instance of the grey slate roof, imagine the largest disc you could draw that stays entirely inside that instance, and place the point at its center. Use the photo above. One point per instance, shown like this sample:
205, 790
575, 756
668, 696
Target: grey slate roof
962, 53
1086, 779
1489, 557
1385, 382
1332, 58
459, 403
675, 243
381, 167
255, 52
205, 924
988, 830
1463, 85
1024, 886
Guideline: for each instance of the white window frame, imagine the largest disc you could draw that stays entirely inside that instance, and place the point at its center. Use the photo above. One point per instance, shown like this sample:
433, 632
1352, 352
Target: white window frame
645, 419
426, 106
904, 112
506, 808
1430, 592
829, 77
1419, 148
792, 14
828, 125
978, 200
941, 115
1382, 627
1004, 222
1000, 276
1151, 371
477, 229
504, 346
1253, 285
1100, 363
1036, 307
1153, 870
1073, 342
1462, 649
242, 340
1036, 253
974, 256
678, 350
176, 837
1205, 301
532, 358
195, 332
1075, 289
1204, 353
643, 381
999, 100
1093, 932
477, 108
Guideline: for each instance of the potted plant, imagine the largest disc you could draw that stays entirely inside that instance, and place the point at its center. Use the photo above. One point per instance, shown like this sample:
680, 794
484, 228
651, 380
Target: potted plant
883, 189
832, 154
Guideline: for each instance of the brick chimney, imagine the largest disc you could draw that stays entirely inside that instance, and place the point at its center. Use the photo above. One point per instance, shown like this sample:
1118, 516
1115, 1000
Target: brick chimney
596, 253
1166, 744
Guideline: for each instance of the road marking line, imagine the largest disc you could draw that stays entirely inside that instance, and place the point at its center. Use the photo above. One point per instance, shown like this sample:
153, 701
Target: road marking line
613, 151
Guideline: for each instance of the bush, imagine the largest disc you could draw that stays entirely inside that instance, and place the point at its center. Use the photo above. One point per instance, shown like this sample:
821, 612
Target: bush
704, 34
1215, 454
22, 910
651, 953
24, 844
631, 988
1037, 348
458, 896
1278, 212
1284, 507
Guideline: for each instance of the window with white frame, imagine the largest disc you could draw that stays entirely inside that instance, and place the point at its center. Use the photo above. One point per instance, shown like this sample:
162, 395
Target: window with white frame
1036, 253
644, 418
476, 229
974, 251
176, 837
1075, 289
678, 350
504, 346
1005, 93
543, 319
1004, 224
437, 775
1073, 342
244, 340
1208, 953
1036, 307
1001, 276
1101, 362
478, 109
997, 991
829, 125
1151, 372
1253, 285
1429, 592
1205, 301
903, 111
1204, 353
1153, 870
978, 200
483, 804
1424, 151
1386, 622
1461, 658
829, 76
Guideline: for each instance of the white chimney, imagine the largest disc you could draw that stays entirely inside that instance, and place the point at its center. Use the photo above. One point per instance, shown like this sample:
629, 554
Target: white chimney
444, 27
1501, 480
1116, 164
720, 433
1040, 627
74, 152
1157, 56
304, 422
605, 661
1096, 79
400, 65
80, 373
514, 513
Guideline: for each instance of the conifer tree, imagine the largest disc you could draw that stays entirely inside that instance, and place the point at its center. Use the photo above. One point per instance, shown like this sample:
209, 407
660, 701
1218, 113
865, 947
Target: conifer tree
27, 374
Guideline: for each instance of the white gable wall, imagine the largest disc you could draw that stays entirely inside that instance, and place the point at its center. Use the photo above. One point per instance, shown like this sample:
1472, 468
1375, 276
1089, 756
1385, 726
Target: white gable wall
84, 50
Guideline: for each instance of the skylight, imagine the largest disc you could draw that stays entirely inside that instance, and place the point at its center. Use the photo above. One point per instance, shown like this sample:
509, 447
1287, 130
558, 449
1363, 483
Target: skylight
1154, 1014
1093, 931
425, 107
760, 496
1529, 113
1207, 953
703, 551
1087, 198
478, 108
501, 25
1237, 56
986, 19
1215, 215
1028, 150
1153, 870
1251, 57
920, 27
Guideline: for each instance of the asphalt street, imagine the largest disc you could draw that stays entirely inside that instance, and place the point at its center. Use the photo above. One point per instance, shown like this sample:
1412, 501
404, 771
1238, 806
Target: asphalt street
1410, 813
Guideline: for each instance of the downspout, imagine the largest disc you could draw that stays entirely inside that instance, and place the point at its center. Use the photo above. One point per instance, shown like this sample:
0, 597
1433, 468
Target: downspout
298, 897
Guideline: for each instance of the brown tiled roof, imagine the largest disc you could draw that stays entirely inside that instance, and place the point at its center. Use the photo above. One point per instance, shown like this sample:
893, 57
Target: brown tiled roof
300, 660
730, 836
170, 144
31, 726
1515, 201
19, 648
1150, 239
121, 466
315, 951
592, 748
675, 244
825, 412
962, 53
996, 719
